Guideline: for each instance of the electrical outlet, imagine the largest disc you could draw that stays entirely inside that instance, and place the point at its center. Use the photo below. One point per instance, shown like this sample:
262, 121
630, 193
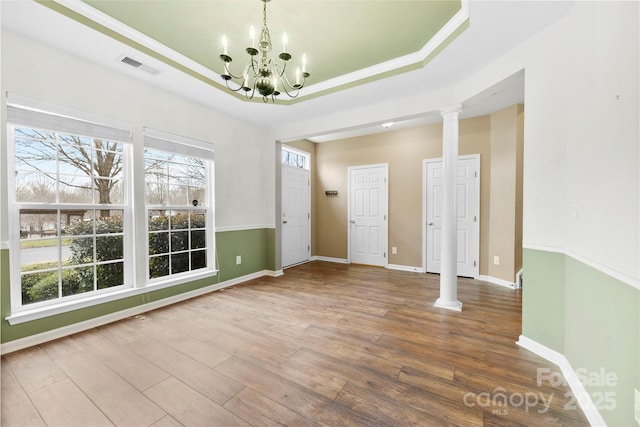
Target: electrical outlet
496, 260
394, 250
238, 259
637, 411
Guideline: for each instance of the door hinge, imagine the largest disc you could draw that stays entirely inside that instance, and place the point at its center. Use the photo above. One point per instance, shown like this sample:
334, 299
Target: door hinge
309, 248
385, 254
474, 263
385, 217
385, 180
475, 174
308, 215
475, 218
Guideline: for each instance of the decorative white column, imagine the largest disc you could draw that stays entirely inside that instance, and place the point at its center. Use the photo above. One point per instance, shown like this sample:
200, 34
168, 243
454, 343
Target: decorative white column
449, 239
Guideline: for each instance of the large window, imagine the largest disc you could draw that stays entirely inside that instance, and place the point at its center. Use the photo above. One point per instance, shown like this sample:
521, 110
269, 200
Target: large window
72, 202
69, 208
177, 195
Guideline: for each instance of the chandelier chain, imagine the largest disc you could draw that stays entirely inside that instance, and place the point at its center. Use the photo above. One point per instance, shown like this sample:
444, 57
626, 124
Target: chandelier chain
264, 14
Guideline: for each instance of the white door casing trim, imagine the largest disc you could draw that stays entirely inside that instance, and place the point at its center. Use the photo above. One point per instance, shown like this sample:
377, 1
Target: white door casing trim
284, 211
307, 156
386, 208
476, 157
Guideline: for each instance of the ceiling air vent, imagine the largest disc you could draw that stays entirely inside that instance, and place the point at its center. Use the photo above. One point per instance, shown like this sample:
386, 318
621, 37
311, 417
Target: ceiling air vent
139, 65
131, 61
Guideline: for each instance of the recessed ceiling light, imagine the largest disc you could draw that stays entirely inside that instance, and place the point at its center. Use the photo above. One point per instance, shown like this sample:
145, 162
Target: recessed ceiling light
387, 125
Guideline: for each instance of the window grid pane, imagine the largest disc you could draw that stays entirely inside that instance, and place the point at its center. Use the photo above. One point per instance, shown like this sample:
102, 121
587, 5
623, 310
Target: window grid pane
177, 231
71, 204
64, 249
290, 158
177, 241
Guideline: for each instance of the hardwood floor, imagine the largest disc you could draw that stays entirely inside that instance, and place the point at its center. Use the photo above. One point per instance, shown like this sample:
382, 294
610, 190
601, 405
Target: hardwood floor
323, 345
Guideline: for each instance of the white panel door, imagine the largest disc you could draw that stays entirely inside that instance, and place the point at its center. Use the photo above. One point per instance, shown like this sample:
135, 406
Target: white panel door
466, 211
368, 195
295, 215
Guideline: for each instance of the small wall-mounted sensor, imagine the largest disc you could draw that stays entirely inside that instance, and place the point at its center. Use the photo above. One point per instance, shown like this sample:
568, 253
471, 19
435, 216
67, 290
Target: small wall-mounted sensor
331, 193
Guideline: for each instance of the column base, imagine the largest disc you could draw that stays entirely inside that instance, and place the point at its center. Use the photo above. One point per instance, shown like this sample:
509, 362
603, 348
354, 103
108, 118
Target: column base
449, 305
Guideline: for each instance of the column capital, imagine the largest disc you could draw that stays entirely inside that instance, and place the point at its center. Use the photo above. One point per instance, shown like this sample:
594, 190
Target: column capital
452, 109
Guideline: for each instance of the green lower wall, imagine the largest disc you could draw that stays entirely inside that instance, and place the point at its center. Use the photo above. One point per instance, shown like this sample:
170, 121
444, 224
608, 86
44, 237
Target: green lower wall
596, 327
543, 298
257, 248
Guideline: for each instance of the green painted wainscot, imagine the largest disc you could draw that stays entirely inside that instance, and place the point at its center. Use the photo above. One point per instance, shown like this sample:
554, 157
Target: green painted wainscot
256, 246
592, 319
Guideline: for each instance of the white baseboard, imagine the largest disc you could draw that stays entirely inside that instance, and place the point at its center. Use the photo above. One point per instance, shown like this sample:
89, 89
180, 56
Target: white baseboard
54, 334
582, 396
497, 281
453, 306
405, 268
296, 264
272, 273
329, 259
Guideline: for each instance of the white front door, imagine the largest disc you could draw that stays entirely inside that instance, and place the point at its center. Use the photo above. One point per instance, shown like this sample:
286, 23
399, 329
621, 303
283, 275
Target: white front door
295, 215
467, 211
368, 206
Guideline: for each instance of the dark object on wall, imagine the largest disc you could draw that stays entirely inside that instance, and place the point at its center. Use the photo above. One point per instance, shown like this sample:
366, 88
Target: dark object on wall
331, 193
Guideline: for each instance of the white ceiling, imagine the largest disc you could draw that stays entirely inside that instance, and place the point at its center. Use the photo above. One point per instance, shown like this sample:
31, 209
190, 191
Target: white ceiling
495, 28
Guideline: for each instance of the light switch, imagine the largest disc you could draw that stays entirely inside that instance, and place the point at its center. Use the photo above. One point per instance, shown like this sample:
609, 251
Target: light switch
574, 209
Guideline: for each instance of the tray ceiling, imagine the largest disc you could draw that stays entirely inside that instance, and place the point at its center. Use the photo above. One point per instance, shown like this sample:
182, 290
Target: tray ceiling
346, 42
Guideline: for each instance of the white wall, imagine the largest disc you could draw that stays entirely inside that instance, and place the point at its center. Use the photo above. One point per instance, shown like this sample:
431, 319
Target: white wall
581, 141
36, 71
603, 145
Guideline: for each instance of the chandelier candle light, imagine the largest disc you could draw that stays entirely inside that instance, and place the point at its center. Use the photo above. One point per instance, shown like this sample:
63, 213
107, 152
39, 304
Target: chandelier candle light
261, 72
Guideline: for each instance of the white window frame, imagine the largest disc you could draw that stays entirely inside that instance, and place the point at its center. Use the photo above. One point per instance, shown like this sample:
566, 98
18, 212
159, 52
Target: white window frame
23, 111
171, 143
27, 113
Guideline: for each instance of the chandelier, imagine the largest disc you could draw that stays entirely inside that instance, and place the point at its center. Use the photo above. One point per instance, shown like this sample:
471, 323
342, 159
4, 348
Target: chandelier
261, 73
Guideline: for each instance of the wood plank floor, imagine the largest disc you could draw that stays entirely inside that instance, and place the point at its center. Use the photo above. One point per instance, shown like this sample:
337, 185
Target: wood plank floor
323, 345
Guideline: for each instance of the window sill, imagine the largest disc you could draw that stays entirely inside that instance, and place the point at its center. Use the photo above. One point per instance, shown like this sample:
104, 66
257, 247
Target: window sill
29, 315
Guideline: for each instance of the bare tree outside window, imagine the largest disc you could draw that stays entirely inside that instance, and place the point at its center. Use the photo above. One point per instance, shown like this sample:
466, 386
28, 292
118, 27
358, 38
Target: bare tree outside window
74, 219
68, 188
85, 169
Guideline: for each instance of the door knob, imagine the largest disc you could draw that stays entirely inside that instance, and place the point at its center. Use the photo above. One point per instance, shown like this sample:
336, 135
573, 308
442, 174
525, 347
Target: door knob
430, 223
284, 222
352, 221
